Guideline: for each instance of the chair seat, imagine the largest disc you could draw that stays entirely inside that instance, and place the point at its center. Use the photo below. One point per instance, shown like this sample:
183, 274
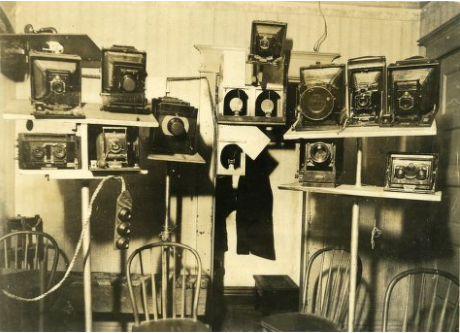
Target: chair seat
297, 322
171, 325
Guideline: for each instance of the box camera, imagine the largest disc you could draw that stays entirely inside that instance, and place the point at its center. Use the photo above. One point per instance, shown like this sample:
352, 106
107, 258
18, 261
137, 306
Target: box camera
267, 42
321, 96
115, 148
231, 159
317, 164
367, 85
55, 81
413, 91
48, 151
123, 80
178, 125
411, 172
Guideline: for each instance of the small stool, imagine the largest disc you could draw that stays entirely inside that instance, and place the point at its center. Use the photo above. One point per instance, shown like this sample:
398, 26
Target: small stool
276, 294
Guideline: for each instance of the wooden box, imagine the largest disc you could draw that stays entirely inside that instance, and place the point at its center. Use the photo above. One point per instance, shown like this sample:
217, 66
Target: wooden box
276, 294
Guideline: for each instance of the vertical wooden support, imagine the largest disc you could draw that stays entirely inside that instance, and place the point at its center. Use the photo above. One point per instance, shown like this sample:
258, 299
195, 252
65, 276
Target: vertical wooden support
359, 160
86, 259
165, 237
354, 265
304, 252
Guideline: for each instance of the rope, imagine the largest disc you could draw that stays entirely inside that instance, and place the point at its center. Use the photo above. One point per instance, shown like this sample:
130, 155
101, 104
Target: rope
78, 248
324, 35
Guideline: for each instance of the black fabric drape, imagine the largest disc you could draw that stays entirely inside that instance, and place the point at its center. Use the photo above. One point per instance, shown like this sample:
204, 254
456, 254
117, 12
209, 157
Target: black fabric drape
253, 201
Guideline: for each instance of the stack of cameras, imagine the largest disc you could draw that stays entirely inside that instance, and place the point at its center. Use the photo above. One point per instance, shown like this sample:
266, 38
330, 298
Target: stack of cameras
403, 94
261, 101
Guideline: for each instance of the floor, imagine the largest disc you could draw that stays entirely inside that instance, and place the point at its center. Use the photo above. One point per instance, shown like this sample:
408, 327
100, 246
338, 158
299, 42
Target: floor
241, 319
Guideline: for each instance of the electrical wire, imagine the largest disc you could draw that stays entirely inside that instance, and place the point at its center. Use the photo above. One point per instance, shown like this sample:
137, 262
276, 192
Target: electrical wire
324, 35
78, 248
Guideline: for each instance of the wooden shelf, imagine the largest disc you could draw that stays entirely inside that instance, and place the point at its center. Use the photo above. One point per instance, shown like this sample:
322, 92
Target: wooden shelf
181, 158
76, 174
22, 110
361, 132
363, 191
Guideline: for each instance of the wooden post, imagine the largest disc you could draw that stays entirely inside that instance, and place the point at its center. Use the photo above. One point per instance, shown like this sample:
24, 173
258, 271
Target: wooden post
86, 259
354, 265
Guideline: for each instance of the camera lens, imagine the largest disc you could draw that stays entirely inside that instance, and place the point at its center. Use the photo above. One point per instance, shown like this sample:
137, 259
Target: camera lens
422, 173
399, 172
320, 153
406, 102
59, 151
267, 106
115, 146
317, 103
38, 152
128, 83
363, 100
57, 85
177, 127
236, 104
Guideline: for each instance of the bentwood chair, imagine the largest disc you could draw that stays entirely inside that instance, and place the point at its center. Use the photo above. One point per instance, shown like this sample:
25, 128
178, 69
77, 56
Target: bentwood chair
422, 300
28, 262
328, 277
170, 279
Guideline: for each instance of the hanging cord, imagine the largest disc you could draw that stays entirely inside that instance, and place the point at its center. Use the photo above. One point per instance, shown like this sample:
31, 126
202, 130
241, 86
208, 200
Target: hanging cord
324, 35
78, 248
375, 233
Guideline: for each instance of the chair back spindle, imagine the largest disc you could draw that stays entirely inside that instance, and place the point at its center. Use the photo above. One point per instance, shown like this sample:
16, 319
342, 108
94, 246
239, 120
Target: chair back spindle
171, 266
434, 307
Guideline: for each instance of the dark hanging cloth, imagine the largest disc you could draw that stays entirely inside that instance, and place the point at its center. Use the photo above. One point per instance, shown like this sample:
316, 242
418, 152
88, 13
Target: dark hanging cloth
225, 204
253, 202
254, 208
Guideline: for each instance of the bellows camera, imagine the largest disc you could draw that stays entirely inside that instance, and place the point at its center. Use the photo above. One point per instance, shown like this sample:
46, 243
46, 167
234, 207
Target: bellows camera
267, 42
317, 164
178, 125
413, 91
123, 80
367, 85
321, 96
48, 151
411, 172
55, 80
115, 148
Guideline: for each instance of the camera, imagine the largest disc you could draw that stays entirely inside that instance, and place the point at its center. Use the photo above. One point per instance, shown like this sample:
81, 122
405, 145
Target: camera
231, 159
321, 101
413, 91
115, 148
411, 172
317, 164
267, 42
177, 120
367, 84
48, 151
55, 80
123, 80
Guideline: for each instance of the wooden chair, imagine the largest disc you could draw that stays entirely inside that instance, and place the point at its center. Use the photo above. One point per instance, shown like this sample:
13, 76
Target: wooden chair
328, 307
170, 278
423, 300
38, 254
